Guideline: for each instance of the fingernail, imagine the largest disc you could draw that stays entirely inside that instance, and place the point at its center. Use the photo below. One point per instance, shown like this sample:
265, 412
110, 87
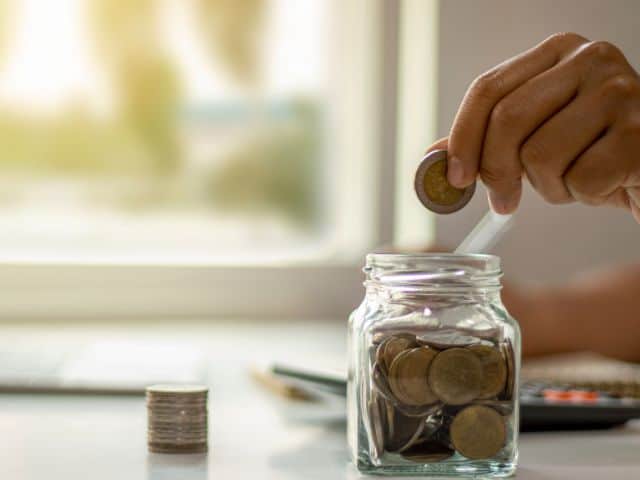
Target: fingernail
455, 172
501, 205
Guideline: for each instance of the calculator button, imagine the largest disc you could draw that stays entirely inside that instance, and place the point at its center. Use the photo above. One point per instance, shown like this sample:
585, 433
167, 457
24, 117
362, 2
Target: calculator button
584, 396
574, 396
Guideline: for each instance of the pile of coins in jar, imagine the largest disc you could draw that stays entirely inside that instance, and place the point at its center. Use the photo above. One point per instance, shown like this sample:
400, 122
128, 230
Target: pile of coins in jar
440, 392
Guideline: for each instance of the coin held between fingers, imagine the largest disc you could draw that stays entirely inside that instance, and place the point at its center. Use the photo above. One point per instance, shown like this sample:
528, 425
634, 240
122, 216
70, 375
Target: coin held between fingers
434, 190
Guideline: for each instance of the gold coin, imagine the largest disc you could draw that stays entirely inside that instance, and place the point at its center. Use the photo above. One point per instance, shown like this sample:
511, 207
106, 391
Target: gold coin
381, 386
408, 376
378, 422
380, 382
390, 430
396, 345
455, 376
478, 432
434, 190
428, 452
494, 370
437, 187
380, 361
508, 355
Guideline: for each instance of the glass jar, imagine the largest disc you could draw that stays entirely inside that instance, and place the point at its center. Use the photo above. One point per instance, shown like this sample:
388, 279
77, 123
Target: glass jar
434, 359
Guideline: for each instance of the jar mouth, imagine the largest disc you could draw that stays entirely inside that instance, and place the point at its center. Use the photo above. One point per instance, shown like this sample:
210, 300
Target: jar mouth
433, 270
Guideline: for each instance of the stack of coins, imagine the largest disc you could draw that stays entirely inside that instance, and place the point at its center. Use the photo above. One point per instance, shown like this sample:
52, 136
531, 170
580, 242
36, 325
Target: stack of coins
177, 418
438, 392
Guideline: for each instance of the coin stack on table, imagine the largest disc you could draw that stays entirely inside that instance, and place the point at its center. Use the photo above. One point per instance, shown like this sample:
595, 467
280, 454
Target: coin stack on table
177, 418
439, 392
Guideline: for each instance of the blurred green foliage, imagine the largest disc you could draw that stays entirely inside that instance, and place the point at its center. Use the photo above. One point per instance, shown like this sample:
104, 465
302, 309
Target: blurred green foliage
74, 143
274, 170
232, 31
144, 78
277, 171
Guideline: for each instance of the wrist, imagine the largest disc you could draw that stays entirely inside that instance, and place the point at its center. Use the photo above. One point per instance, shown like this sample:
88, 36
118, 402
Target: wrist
541, 314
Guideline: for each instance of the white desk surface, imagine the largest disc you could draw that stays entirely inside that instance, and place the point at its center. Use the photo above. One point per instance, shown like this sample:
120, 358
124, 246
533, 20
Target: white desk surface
253, 434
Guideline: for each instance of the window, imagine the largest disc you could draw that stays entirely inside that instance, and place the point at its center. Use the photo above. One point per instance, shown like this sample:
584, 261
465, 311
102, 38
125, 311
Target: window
164, 157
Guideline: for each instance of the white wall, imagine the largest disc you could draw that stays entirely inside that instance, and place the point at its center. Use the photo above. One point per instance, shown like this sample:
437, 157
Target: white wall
546, 242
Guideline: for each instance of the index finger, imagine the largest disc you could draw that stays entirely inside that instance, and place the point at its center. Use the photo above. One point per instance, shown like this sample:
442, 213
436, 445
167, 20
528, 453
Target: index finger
441, 144
469, 127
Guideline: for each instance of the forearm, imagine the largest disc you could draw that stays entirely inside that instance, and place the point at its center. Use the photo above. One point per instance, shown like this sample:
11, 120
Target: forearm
599, 311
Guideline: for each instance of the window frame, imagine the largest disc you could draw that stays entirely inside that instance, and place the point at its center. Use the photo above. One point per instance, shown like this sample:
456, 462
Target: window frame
331, 288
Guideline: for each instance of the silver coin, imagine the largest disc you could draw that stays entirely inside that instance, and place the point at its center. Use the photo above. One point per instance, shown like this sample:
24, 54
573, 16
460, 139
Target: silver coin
185, 426
494, 334
180, 418
177, 419
180, 389
446, 338
196, 399
176, 407
177, 435
176, 403
178, 449
177, 415
170, 430
177, 439
432, 424
172, 427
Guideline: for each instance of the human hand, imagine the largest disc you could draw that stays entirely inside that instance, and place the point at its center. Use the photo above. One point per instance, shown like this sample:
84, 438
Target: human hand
565, 114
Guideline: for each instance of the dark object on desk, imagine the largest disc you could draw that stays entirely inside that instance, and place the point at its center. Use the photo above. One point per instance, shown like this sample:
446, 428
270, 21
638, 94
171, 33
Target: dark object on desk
325, 382
543, 406
586, 370
562, 407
